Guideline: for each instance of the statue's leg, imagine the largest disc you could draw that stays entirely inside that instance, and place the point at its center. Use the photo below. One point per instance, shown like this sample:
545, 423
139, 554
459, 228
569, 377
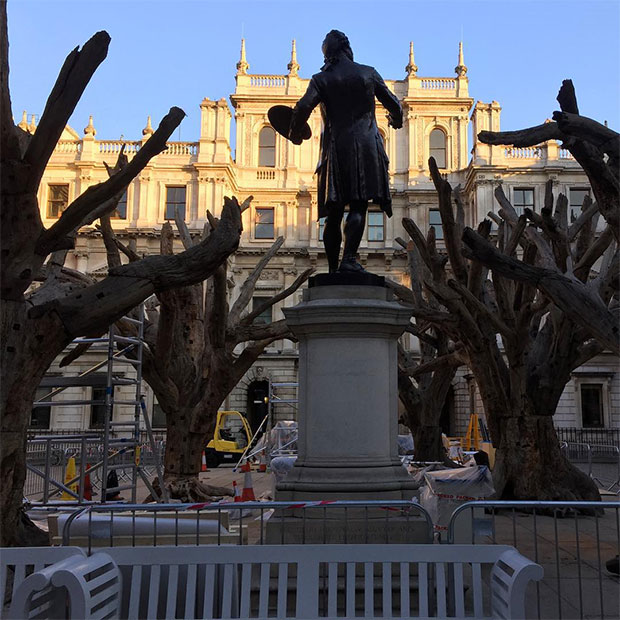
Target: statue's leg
332, 236
353, 231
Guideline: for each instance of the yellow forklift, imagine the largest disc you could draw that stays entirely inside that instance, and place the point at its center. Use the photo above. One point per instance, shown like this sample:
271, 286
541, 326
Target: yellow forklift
230, 440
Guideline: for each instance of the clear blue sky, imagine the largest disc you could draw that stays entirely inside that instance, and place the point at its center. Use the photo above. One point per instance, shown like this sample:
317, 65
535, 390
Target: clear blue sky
176, 52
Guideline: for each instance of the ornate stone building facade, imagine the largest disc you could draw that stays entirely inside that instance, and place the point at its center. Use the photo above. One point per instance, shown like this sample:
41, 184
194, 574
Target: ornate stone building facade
439, 116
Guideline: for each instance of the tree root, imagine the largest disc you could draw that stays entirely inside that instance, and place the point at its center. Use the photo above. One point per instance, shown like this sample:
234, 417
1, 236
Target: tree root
189, 489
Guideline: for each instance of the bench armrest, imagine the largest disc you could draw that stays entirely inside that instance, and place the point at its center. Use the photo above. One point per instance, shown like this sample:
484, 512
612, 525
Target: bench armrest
90, 582
510, 576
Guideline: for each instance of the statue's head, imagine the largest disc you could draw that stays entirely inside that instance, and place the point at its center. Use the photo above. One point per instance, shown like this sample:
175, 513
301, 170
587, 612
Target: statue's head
336, 44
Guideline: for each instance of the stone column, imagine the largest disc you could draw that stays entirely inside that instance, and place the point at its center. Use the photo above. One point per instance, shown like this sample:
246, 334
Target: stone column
348, 393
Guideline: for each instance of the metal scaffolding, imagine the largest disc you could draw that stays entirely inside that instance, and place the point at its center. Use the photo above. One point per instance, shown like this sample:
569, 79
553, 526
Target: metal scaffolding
119, 453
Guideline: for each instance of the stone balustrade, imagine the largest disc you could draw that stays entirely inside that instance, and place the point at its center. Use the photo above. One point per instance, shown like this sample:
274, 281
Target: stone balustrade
68, 146
114, 146
523, 152
437, 83
268, 81
265, 174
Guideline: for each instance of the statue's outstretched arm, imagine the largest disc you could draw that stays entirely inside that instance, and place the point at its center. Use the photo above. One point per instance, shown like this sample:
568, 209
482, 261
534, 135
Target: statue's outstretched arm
302, 112
389, 100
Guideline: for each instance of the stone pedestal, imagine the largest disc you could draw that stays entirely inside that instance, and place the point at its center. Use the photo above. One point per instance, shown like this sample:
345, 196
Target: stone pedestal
348, 394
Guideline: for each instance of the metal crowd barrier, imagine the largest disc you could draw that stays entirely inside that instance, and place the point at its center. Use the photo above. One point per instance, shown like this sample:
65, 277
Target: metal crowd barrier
571, 540
601, 462
248, 523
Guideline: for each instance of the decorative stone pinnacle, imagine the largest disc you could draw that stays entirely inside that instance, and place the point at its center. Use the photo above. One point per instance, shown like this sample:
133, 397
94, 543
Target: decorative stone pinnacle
90, 130
32, 126
242, 65
293, 66
148, 130
411, 68
461, 69
23, 124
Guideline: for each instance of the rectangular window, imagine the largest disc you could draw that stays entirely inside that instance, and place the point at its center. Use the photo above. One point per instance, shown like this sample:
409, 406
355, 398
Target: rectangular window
57, 199
175, 198
523, 197
434, 220
120, 213
158, 418
265, 317
97, 411
321, 227
592, 405
375, 226
40, 416
264, 223
576, 197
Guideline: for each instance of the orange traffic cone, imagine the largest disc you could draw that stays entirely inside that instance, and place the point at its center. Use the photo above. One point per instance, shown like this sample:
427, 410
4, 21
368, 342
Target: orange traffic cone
204, 462
248, 490
262, 462
245, 467
88, 487
236, 491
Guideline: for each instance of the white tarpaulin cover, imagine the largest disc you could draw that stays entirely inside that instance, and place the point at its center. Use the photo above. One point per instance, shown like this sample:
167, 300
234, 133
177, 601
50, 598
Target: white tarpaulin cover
448, 488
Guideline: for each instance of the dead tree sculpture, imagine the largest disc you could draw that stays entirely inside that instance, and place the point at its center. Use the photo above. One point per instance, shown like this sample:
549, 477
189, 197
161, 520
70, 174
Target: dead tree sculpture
197, 350
425, 378
594, 146
521, 347
35, 329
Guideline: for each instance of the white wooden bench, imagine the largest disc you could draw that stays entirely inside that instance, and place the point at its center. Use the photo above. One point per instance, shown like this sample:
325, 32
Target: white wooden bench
308, 581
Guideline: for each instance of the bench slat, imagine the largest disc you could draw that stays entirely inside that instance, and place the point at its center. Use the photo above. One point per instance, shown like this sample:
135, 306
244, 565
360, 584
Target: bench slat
190, 592
332, 589
459, 592
263, 597
227, 591
440, 588
171, 595
282, 589
477, 589
134, 593
423, 590
154, 591
387, 590
209, 587
246, 582
405, 604
369, 590
350, 580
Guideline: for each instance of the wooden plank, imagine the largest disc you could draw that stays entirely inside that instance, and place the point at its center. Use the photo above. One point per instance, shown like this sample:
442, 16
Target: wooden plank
263, 593
405, 603
282, 589
332, 589
477, 589
190, 591
171, 594
350, 589
440, 577
246, 582
154, 591
209, 588
423, 590
369, 590
134, 592
227, 591
387, 590
308, 585
459, 591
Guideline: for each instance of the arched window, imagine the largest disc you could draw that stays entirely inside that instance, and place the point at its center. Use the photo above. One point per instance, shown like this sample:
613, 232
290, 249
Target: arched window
437, 143
267, 147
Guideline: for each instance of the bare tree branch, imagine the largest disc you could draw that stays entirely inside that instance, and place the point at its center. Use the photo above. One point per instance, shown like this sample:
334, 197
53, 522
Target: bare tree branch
76, 72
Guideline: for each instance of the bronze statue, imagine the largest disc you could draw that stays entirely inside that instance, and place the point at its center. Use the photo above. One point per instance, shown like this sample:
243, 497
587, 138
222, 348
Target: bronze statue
353, 168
